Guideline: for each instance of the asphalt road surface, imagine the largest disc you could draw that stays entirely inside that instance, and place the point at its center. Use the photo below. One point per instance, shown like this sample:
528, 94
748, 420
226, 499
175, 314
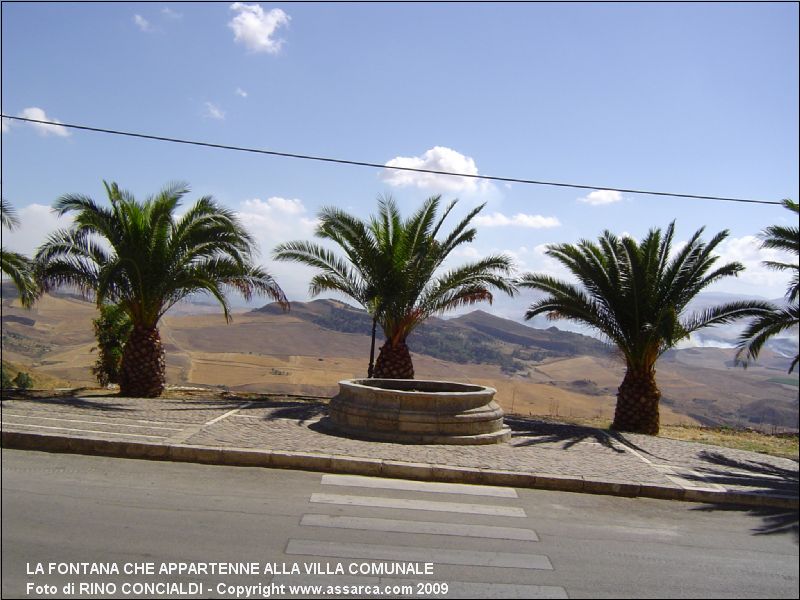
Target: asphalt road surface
199, 531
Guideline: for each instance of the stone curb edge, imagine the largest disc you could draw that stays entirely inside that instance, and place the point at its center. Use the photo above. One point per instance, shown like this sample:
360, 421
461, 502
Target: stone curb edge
249, 457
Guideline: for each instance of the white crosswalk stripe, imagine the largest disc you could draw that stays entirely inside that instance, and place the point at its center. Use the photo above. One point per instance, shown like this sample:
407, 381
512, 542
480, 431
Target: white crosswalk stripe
433, 487
491, 541
408, 504
423, 527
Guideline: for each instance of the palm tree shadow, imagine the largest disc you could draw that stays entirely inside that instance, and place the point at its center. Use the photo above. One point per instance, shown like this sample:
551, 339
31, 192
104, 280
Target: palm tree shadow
759, 475
302, 412
777, 521
774, 520
533, 432
294, 410
620, 437
765, 478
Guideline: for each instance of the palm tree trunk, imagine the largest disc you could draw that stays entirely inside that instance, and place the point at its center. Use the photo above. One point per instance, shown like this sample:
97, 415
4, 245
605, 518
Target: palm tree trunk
394, 362
143, 369
637, 402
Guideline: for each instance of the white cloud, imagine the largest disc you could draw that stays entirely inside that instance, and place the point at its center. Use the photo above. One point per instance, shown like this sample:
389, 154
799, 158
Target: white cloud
277, 220
36, 222
697, 340
519, 220
43, 129
214, 112
256, 29
274, 206
5, 125
438, 158
600, 197
468, 252
241, 92
756, 279
536, 260
142, 23
171, 14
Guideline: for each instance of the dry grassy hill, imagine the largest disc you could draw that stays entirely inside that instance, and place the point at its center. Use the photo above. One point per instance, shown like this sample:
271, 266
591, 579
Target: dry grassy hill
308, 350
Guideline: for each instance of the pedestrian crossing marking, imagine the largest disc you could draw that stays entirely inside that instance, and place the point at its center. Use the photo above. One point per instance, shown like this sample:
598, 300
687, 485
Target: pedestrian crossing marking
407, 504
434, 487
424, 527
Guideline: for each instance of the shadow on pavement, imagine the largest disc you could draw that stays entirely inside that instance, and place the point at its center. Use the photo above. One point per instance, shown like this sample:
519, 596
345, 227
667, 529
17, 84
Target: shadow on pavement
242, 402
302, 412
774, 520
728, 471
766, 477
534, 432
620, 437
297, 410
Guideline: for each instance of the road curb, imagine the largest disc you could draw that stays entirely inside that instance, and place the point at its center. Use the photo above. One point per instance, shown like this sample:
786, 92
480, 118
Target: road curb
309, 461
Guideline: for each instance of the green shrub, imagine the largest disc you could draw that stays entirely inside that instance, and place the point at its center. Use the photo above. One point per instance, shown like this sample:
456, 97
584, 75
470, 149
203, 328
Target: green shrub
23, 381
6, 383
111, 329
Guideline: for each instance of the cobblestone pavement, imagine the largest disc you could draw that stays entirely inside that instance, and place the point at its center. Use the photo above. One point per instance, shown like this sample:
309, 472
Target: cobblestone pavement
537, 447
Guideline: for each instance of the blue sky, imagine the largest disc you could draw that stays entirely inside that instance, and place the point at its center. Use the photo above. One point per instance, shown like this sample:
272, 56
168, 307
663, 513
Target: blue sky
675, 97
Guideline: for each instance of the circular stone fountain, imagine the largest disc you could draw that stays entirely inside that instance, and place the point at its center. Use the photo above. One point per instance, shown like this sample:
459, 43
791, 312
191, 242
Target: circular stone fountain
418, 412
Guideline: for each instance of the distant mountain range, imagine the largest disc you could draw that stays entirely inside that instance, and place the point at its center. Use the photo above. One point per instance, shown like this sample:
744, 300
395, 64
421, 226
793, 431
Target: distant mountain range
476, 337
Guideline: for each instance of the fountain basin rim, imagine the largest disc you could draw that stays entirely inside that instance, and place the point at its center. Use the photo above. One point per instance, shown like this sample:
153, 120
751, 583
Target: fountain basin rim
456, 388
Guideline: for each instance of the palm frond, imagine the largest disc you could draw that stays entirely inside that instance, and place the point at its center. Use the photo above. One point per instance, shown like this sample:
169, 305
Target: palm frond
568, 301
634, 293
723, 314
782, 237
20, 270
389, 265
138, 255
763, 327
787, 239
8, 215
465, 285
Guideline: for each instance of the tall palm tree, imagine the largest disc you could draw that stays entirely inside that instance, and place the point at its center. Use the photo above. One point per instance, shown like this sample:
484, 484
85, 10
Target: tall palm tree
140, 256
16, 266
391, 267
778, 319
636, 296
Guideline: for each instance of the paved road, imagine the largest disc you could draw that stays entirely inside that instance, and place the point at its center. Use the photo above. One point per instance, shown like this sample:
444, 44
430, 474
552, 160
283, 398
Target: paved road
483, 542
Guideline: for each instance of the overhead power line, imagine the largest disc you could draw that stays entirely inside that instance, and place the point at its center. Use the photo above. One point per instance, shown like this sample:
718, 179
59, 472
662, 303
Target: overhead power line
360, 163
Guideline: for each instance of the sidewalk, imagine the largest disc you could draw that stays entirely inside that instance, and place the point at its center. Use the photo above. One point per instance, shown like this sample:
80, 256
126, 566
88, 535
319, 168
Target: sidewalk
287, 433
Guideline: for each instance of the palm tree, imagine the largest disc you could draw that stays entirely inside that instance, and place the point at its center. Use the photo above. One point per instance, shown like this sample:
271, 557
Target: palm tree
390, 267
636, 296
140, 256
778, 318
17, 266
